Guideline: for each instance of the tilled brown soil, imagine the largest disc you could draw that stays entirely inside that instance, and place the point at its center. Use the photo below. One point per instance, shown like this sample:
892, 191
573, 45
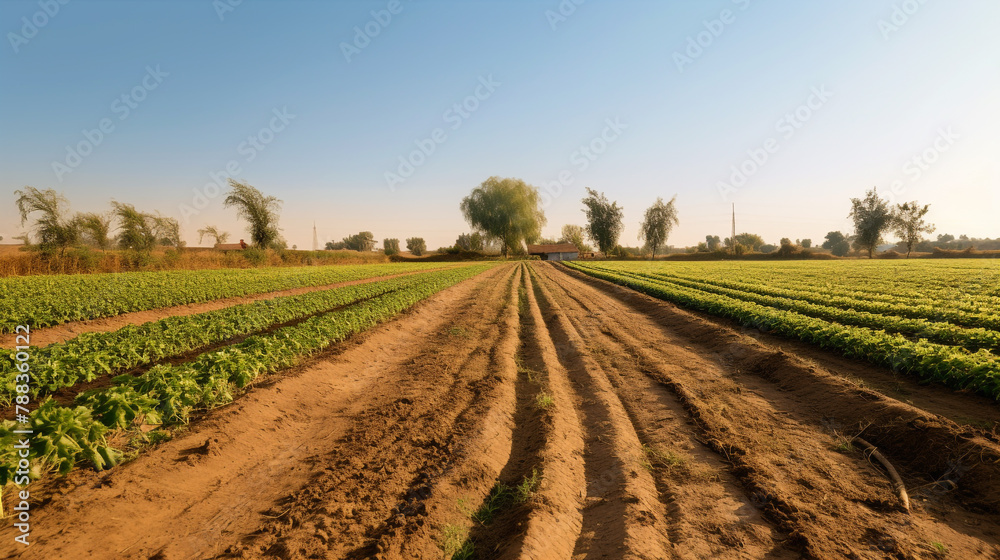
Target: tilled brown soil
533, 412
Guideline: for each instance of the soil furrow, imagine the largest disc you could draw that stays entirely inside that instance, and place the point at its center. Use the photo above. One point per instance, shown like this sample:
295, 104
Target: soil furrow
623, 516
384, 467
710, 516
834, 504
555, 522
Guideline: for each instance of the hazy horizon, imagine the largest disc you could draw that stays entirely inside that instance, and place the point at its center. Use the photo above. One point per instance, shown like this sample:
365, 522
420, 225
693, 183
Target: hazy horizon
316, 103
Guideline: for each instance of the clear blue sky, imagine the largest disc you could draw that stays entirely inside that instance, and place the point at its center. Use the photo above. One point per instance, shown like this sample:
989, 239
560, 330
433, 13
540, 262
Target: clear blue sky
899, 84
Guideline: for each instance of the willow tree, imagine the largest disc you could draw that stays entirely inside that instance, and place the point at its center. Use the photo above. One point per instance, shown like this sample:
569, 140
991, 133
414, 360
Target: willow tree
214, 233
605, 220
136, 229
53, 227
658, 222
95, 228
260, 212
506, 210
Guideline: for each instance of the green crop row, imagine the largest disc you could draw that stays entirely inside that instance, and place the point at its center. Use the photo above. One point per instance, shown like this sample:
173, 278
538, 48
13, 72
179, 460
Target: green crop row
42, 301
92, 355
935, 305
955, 366
168, 394
940, 332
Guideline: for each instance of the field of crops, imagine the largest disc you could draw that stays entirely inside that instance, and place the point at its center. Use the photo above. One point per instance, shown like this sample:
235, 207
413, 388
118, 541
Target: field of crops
518, 409
42, 301
162, 371
939, 320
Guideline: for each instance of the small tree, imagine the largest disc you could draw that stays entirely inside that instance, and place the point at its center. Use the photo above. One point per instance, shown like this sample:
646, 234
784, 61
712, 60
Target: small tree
505, 209
391, 246
712, 242
787, 248
746, 242
135, 229
260, 212
416, 246
659, 221
364, 241
908, 223
166, 231
872, 218
605, 220
574, 234
219, 237
53, 228
470, 242
95, 229
837, 243
807, 243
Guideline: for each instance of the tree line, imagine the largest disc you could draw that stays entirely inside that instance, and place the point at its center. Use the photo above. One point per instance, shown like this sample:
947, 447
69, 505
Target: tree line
507, 211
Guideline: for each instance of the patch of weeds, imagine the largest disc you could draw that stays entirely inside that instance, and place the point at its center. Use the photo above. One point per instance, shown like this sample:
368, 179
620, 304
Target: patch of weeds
528, 486
142, 441
844, 444
455, 543
543, 400
940, 550
460, 332
503, 496
662, 459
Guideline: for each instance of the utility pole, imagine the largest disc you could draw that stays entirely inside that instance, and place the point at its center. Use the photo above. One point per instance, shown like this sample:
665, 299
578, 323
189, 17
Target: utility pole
315, 238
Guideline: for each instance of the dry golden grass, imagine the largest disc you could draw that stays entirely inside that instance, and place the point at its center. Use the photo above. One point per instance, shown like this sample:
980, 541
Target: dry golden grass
14, 261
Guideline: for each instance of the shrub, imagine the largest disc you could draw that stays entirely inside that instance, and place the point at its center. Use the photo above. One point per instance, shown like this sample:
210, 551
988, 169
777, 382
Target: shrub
255, 255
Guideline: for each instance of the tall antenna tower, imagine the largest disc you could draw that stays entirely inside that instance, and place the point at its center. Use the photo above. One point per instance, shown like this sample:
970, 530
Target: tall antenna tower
315, 238
733, 238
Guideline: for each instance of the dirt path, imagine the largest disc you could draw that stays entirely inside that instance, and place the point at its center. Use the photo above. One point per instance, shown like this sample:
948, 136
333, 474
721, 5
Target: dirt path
536, 413
61, 333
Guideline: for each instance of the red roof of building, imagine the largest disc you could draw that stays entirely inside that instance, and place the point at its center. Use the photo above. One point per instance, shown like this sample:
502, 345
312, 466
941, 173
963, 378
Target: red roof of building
552, 248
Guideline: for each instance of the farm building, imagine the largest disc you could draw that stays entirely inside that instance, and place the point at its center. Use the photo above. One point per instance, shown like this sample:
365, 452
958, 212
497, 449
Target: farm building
555, 252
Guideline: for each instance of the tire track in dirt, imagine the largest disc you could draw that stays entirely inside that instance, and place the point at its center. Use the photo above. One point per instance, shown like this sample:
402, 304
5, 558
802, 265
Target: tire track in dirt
623, 516
210, 486
783, 452
61, 333
709, 515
